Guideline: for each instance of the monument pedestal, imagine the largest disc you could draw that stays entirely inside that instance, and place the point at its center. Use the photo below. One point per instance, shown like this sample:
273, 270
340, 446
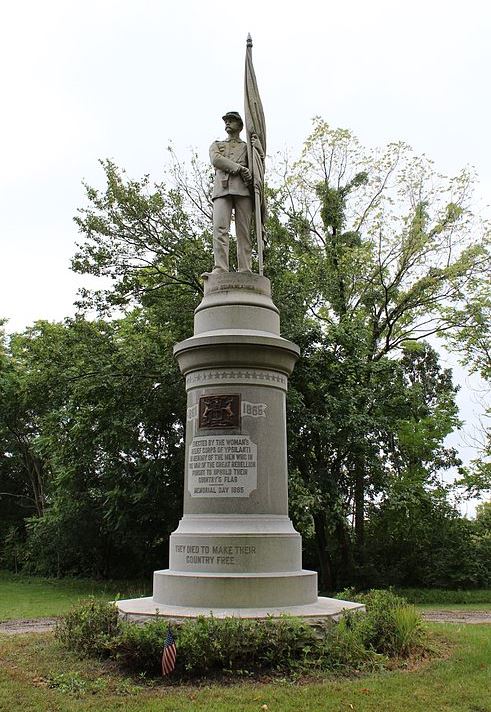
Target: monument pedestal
235, 551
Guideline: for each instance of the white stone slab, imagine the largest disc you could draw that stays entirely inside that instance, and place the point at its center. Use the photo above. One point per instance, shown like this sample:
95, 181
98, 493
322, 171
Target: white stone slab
141, 609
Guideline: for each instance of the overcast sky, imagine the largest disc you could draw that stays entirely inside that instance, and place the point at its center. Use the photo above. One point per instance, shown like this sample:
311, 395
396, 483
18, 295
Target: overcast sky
89, 79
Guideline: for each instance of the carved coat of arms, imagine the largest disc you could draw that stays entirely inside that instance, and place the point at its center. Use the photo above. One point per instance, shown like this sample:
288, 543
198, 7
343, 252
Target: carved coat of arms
219, 411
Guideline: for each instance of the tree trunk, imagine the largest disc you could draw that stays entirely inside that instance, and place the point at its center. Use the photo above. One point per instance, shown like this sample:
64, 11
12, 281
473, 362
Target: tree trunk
34, 471
359, 508
346, 553
326, 578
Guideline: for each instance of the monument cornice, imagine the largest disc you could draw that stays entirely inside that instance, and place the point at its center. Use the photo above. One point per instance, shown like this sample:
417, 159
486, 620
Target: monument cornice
236, 350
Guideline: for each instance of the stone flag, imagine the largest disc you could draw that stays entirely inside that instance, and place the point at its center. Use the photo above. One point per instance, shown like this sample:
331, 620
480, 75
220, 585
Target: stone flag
256, 148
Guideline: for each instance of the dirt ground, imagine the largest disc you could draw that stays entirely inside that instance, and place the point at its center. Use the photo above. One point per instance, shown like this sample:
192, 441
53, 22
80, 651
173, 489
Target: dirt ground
42, 625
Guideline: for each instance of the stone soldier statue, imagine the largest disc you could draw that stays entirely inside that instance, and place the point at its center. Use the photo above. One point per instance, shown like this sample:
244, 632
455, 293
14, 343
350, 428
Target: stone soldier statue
231, 192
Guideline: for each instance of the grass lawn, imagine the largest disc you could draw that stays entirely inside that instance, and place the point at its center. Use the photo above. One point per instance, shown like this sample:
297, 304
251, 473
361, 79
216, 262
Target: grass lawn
441, 597
37, 675
33, 597
453, 606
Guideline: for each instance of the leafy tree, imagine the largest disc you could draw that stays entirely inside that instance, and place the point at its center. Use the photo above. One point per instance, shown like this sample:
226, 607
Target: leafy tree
429, 416
471, 340
483, 517
365, 252
22, 465
403, 416
365, 247
110, 431
415, 537
144, 238
383, 244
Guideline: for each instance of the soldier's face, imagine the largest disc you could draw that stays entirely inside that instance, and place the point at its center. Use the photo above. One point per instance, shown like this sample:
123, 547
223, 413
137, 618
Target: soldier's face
233, 125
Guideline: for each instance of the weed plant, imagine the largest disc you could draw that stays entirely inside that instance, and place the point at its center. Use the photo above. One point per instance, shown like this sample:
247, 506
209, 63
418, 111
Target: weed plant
407, 631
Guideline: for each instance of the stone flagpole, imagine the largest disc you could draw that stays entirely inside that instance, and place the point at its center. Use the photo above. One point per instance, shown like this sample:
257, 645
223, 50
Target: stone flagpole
256, 150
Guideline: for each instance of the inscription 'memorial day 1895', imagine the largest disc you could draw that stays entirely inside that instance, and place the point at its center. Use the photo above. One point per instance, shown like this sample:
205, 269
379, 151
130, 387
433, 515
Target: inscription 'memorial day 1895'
222, 466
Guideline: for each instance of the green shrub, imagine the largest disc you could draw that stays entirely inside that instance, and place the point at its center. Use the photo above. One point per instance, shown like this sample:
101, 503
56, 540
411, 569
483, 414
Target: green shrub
390, 626
139, 647
378, 623
360, 641
344, 649
374, 598
211, 644
89, 628
348, 594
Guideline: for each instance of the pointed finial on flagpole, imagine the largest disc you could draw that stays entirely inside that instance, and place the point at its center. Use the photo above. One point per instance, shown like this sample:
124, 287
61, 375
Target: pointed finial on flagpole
249, 40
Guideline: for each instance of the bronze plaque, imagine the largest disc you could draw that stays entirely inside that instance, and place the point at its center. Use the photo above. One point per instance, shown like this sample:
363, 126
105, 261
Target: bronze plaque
219, 411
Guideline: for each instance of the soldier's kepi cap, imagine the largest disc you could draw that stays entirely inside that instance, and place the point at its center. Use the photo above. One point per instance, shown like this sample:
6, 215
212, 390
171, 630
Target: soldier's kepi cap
233, 115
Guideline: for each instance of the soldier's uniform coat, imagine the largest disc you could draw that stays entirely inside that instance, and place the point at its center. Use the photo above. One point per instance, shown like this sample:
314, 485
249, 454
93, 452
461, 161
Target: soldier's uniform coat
230, 193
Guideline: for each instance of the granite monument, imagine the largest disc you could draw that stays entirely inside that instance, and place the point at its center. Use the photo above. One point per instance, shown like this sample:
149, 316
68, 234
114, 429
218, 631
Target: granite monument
235, 551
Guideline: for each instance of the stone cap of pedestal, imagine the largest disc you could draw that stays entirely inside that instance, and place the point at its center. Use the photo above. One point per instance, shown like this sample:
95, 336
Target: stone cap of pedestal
219, 284
230, 348
236, 524
236, 299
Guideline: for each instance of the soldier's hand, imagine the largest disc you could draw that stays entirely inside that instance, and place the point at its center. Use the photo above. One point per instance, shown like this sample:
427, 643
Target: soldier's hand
246, 175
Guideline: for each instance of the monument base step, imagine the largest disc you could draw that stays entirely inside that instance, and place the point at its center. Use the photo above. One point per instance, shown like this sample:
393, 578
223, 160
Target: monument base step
140, 610
234, 590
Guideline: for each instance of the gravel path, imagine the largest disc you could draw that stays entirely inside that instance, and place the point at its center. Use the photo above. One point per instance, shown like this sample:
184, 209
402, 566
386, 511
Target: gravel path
457, 616
42, 625
34, 625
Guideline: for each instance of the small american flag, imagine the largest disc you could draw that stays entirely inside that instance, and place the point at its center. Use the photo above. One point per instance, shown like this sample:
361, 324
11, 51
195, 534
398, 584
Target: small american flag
169, 654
